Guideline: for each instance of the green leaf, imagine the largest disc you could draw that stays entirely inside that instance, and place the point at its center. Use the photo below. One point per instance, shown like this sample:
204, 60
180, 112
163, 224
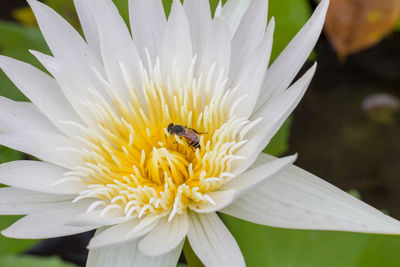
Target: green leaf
123, 9
398, 24
290, 16
380, 250
267, 246
280, 142
190, 256
355, 193
12, 246
15, 41
30, 261
7, 154
213, 5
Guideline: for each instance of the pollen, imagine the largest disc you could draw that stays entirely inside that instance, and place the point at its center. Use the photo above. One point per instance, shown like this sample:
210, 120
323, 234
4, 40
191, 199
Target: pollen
134, 166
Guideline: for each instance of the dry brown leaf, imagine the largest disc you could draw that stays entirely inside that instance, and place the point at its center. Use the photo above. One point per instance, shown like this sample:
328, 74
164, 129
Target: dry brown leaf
354, 25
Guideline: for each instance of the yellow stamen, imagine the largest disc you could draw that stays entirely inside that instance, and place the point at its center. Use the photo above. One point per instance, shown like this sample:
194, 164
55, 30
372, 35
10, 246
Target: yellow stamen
134, 165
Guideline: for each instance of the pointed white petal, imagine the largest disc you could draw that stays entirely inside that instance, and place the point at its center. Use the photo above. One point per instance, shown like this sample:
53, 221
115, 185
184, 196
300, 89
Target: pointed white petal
199, 15
165, 237
177, 45
65, 42
128, 254
117, 46
113, 235
42, 90
249, 34
212, 242
148, 24
262, 159
48, 224
274, 114
124, 232
16, 195
96, 218
37, 176
22, 116
278, 108
29, 207
233, 11
218, 9
73, 83
242, 184
221, 198
88, 24
253, 178
251, 74
249, 152
45, 146
14, 201
287, 65
217, 48
297, 199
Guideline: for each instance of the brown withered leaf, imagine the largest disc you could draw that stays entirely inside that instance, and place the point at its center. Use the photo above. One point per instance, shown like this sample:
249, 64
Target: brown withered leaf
354, 25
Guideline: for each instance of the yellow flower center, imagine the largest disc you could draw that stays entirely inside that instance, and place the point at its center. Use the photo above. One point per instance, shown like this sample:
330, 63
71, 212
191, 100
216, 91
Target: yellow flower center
135, 165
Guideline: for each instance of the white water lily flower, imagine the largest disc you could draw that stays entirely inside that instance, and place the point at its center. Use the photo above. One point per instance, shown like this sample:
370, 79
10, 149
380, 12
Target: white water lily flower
99, 124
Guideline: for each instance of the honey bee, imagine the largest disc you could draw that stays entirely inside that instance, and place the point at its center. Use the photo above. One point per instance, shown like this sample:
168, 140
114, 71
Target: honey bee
191, 135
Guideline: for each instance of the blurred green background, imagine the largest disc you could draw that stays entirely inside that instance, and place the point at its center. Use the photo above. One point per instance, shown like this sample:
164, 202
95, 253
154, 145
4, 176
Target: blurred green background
340, 133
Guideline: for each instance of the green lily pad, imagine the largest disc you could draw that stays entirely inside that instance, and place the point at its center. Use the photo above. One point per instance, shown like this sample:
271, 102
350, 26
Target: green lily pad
29, 261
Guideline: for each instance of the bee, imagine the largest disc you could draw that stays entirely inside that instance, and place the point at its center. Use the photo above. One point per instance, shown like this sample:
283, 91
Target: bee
191, 135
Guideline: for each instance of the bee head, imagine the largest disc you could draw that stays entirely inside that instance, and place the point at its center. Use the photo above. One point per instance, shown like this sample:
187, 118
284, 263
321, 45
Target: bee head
175, 129
170, 126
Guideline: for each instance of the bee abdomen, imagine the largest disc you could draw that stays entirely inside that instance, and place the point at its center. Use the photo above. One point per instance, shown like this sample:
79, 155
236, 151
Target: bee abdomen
194, 144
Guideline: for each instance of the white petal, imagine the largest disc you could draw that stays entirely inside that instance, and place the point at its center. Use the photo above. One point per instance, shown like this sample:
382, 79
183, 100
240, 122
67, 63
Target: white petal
45, 146
165, 237
249, 34
88, 24
128, 254
274, 114
37, 176
66, 43
42, 90
249, 152
277, 109
63, 40
22, 116
177, 45
221, 200
48, 224
218, 9
253, 178
113, 235
245, 182
199, 16
124, 232
287, 65
251, 74
73, 83
117, 46
14, 201
297, 199
233, 11
217, 48
96, 218
148, 24
261, 160
212, 242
